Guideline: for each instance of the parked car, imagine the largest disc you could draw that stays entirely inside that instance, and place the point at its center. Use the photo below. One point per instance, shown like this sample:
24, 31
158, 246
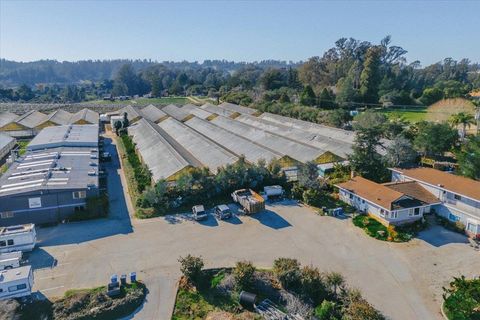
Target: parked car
106, 157
222, 211
199, 212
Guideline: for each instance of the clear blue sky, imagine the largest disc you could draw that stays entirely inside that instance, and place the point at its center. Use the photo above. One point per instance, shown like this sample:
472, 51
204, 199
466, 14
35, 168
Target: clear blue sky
240, 31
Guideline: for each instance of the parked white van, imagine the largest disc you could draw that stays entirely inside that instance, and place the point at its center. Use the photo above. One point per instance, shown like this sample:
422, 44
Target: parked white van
18, 238
16, 283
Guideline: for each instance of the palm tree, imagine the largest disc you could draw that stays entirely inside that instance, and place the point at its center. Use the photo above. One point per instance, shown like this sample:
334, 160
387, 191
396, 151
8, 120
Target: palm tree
463, 119
335, 280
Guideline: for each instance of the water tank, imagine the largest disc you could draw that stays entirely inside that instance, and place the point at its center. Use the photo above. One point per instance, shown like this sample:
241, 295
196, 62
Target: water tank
247, 299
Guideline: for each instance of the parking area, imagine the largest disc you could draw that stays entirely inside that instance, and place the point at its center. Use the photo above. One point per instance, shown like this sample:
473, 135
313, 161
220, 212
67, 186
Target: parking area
402, 280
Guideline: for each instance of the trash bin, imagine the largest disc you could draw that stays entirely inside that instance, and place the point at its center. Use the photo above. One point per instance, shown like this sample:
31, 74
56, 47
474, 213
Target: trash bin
114, 278
123, 279
247, 299
133, 277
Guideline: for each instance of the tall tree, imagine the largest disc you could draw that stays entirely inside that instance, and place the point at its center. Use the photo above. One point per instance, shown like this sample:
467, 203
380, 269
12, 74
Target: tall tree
469, 158
370, 77
434, 139
308, 97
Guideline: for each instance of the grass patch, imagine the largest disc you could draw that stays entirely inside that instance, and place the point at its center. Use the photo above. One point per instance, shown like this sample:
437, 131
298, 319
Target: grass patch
391, 233
412, 115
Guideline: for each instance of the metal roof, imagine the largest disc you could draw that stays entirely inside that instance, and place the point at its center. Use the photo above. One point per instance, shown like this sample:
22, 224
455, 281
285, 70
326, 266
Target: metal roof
340, 148
232, 142
60, 117
237, 108
175, 112
215, 109
86, 115
63, 136
282, 145
196, 111
206, 151
153, 113
51, 169
31, 119
6, 118
156, 151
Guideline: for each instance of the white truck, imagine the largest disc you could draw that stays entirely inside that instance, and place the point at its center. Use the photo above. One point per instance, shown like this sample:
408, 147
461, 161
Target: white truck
273, 192
10, 260
16, 283
18, 238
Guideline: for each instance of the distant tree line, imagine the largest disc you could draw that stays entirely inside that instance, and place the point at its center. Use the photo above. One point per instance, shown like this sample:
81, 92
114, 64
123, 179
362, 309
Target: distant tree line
353, 73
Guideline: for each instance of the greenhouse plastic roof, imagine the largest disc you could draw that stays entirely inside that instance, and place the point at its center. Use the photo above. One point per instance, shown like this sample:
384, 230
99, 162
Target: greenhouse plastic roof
31, 119
340, 148
156, 151
5, 141
65, 136
215, 109
232, 142
132, 113
206, 151
153, 113
6, 118
196, 111
237, 108
86, 115
60, 117
282, 145
175, 112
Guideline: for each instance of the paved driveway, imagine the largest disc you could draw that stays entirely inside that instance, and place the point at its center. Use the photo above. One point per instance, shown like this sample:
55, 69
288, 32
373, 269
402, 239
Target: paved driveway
402, 280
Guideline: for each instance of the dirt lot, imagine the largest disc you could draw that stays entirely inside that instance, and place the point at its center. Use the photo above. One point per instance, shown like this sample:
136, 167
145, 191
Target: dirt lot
402, 280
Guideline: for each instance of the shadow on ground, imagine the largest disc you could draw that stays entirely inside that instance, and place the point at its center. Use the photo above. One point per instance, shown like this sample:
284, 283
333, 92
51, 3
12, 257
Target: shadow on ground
438, 236
271, 219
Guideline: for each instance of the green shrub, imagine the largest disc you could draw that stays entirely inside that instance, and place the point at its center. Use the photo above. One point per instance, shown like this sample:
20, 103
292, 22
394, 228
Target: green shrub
287, 271
313, 285
327, 310
312, 197
191, 267
462, 299
243, 275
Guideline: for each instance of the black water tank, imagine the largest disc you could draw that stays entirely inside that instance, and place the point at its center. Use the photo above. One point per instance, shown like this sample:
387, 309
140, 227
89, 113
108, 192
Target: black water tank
247, 299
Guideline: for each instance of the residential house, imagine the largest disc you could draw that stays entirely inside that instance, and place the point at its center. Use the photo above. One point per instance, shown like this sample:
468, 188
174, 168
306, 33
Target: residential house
391, 203
459, 197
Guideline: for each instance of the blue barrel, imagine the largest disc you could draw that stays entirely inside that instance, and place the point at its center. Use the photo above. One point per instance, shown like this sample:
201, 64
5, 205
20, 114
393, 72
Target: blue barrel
133, 277
123, 279
114, 278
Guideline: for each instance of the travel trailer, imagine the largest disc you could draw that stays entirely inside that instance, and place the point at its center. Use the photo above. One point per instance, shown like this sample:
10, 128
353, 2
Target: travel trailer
16, 283
10, 260
17, 238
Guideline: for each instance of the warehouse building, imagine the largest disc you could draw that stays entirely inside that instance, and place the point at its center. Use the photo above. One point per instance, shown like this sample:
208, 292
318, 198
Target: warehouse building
53, 179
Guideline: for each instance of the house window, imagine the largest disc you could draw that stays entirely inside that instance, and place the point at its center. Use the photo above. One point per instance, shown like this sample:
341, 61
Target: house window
10, 242
7, 214
382, 212
393, 215
417, 211
3, 243
457, 197
351, 196
472, 227
410, 212
79, 194
363, 201
453, 217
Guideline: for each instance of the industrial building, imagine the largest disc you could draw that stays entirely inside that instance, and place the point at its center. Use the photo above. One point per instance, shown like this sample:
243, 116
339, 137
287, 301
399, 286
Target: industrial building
53, 179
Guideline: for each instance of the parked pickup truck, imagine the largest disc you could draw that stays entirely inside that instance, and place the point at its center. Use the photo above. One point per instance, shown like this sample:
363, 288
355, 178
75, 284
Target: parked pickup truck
199, 213
251, 201
10, 260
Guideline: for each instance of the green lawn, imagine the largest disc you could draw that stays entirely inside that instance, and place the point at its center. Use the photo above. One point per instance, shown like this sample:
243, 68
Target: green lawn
412, 115
144, 101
